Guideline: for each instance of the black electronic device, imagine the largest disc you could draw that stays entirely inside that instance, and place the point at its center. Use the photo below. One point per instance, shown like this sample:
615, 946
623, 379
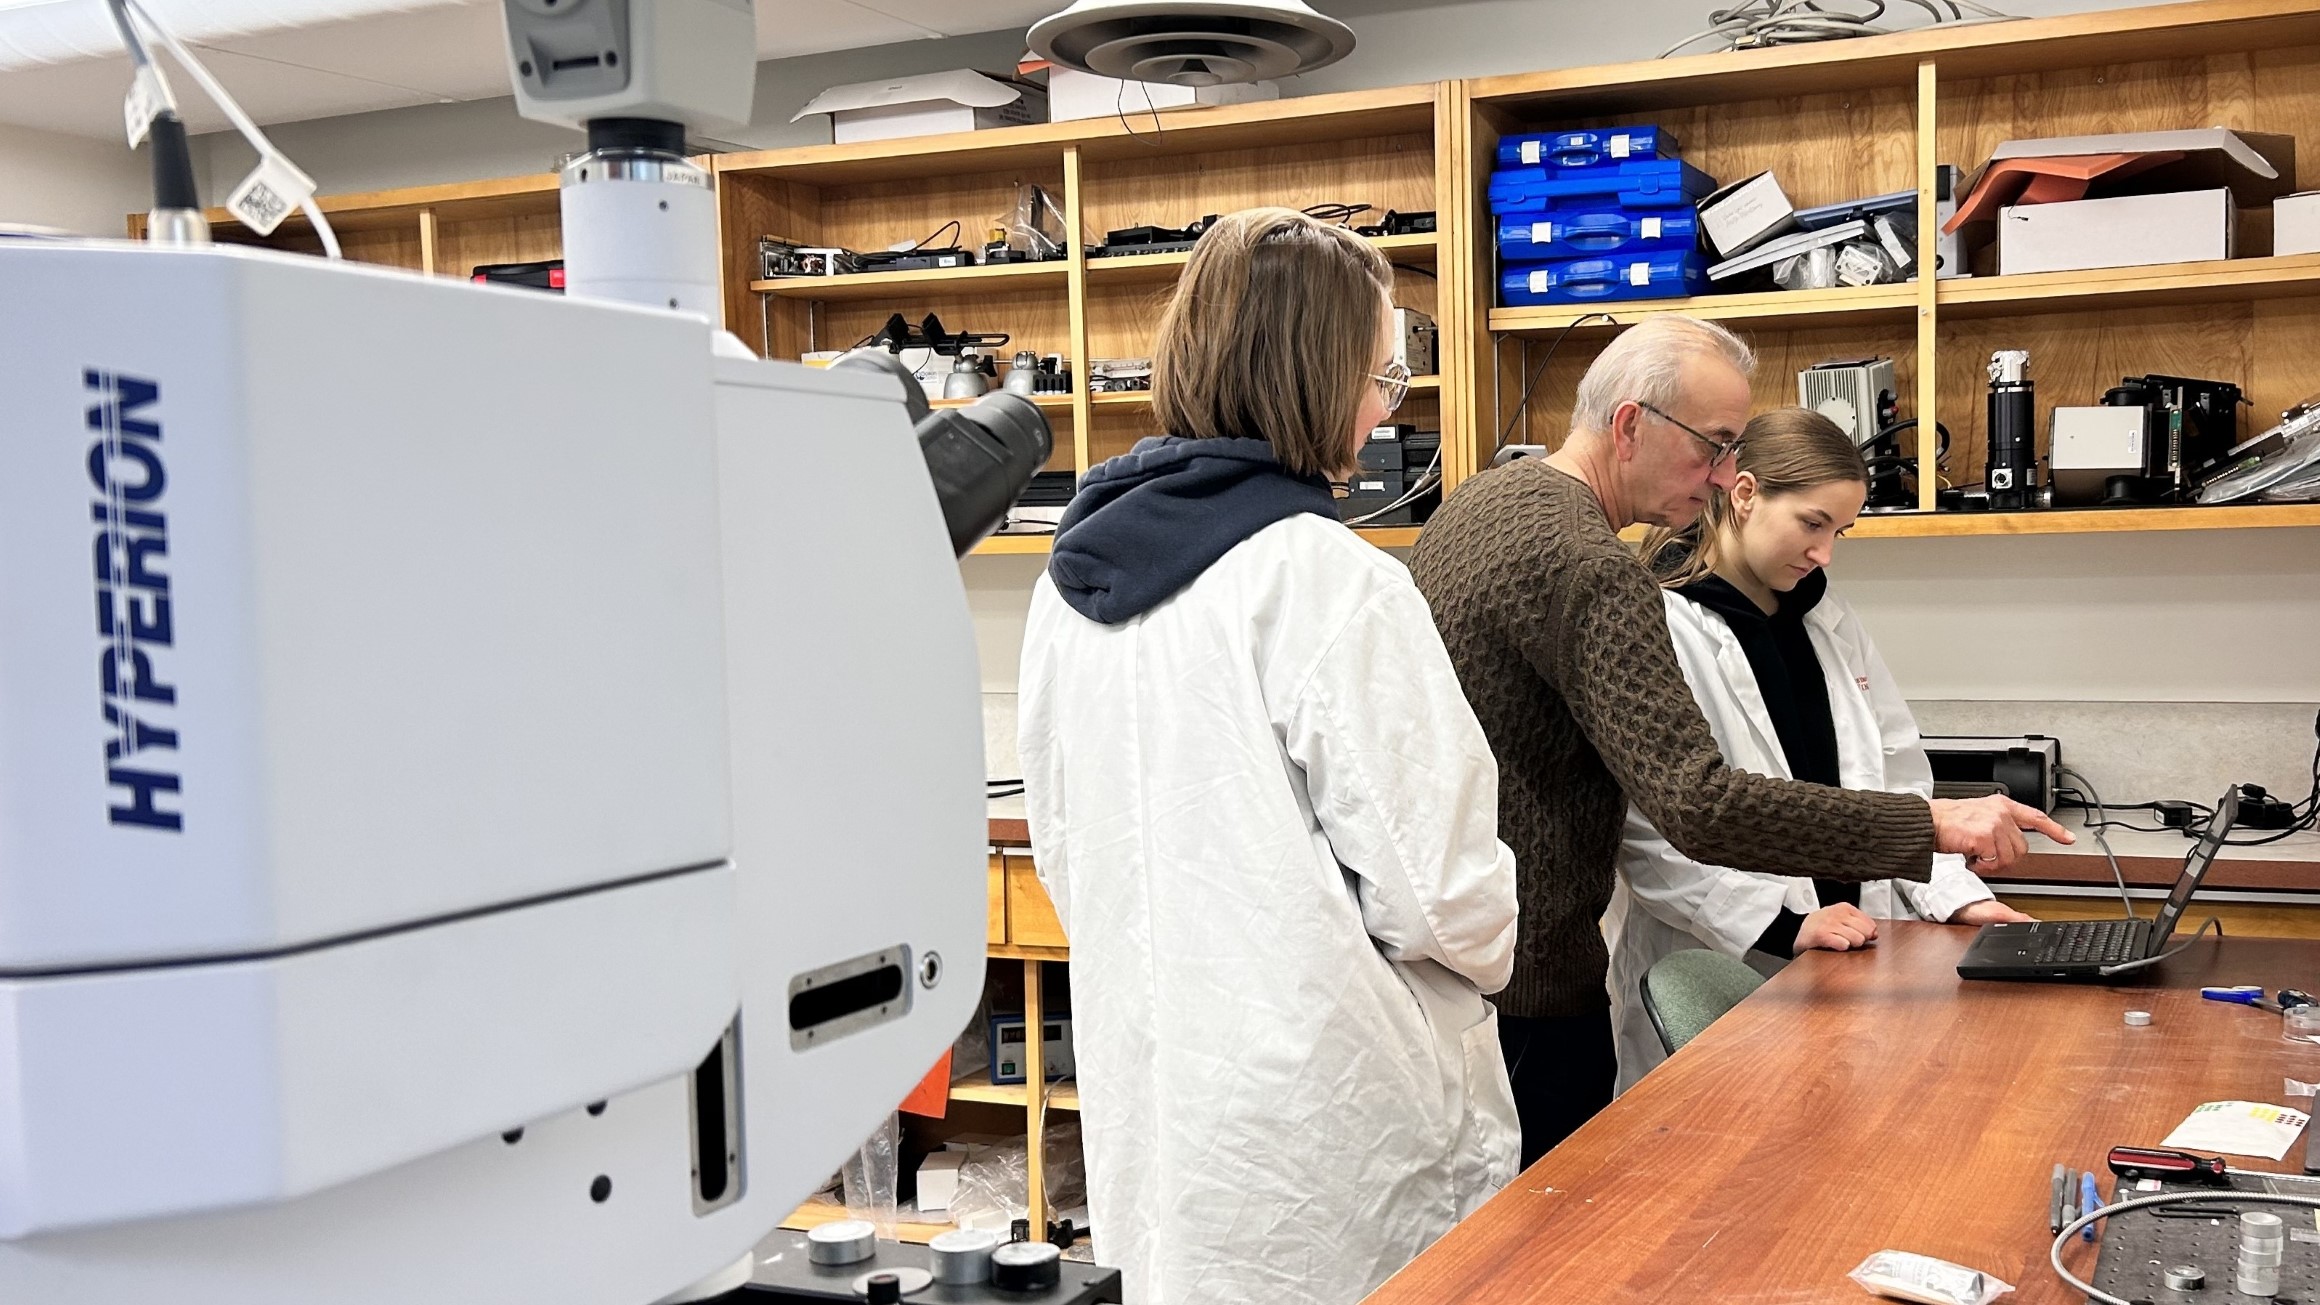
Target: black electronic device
1408, 224
915, 260
1387, 448
2189, 426
530, 276
1131, 241
2095, 949
898, 334
2011, 476
2024, 766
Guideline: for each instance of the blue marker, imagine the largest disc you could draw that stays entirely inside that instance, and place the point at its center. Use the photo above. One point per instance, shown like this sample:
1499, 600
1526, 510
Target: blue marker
2089, 1201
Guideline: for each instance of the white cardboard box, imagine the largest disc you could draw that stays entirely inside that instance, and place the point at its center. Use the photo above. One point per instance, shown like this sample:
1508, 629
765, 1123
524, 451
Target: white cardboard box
928, 105
1745, 214
2184, 226
938, 1179
2296, 223
1075, 95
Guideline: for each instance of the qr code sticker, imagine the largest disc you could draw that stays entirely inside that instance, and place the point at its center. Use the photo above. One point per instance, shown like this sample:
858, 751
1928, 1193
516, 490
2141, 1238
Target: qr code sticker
261, 207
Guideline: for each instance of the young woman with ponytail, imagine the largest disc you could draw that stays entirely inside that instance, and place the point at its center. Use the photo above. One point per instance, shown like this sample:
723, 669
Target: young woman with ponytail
1793, 687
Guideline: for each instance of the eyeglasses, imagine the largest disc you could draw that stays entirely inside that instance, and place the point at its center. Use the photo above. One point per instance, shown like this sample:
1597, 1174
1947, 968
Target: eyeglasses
1393, 384
1718, 450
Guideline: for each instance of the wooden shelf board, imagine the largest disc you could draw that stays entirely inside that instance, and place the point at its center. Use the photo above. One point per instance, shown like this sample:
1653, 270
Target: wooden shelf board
1971, 50
374, 210
1013, 546
1142, 269
1018, 952
2067, 521
1846, 305
1389, 536
1038, 400
2225, 281
974, 1086
813, 1214
1143, 398
1919, 525
1348, 115
939, 280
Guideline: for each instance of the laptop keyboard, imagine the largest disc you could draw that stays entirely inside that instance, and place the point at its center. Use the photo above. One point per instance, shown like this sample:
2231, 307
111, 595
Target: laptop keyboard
2090, 942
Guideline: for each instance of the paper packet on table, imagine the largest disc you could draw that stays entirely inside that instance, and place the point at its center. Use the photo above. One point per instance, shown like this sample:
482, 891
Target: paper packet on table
2239, 1128
1905, 1275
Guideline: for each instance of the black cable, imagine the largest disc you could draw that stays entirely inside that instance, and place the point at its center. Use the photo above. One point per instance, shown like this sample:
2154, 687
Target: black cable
1425, 272
1341, 214
1524, 403
952, 225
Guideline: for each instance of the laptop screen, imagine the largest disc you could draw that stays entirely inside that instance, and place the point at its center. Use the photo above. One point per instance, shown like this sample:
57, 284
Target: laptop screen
2195, 867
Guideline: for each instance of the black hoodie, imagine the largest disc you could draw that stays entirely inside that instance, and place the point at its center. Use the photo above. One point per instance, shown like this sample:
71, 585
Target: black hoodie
1149, 522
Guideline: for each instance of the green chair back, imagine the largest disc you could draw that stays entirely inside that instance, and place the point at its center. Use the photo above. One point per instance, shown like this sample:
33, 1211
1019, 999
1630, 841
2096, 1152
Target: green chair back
1685, 992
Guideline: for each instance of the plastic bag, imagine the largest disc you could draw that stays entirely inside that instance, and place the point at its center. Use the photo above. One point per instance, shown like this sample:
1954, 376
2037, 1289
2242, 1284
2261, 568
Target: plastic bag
1904, 1275
870, 1176
1035, 225
995, 1182
1814, 269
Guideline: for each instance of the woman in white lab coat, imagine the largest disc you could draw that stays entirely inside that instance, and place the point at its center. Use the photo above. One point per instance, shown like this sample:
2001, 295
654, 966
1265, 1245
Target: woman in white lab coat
1266, 814
1793, 687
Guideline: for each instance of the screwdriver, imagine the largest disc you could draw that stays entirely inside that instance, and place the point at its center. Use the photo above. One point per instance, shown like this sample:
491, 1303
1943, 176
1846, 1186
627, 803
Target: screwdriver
2135, 1162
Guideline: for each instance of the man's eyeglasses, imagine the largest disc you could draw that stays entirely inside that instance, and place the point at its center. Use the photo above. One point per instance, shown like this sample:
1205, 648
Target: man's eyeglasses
1394, 384
1718, 450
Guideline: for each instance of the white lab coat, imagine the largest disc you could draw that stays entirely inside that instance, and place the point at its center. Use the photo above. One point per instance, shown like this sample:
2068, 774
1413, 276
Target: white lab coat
1268, 820
1665, 902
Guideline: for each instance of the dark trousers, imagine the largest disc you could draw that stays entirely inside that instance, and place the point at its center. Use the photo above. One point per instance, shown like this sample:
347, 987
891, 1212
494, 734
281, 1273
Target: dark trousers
1563, 1069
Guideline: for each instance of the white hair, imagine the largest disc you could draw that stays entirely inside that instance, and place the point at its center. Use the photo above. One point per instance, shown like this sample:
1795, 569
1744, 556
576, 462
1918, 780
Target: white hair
1646, 364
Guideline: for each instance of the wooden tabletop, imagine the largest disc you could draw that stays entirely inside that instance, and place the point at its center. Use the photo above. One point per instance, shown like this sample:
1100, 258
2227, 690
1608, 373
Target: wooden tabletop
1871, 1101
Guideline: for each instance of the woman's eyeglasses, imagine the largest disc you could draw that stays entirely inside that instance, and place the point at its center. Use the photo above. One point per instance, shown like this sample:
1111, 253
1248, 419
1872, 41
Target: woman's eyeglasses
1393, 384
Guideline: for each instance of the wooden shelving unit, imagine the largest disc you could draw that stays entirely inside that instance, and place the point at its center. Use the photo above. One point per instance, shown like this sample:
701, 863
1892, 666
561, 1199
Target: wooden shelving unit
1850, 118
973, 1086
936, 280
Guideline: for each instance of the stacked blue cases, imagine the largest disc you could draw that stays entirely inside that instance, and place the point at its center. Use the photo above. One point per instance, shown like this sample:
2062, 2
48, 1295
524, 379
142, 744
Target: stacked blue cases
1596, 216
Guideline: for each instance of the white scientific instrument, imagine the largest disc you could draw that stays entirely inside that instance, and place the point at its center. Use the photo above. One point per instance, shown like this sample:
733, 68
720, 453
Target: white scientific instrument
469, 829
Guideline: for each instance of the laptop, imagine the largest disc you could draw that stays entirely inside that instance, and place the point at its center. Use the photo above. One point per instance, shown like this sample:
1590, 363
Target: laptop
2081, 949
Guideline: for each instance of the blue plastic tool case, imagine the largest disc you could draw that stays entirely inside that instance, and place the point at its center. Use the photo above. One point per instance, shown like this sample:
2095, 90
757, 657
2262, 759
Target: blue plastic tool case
1604, 280
1586, 232
1651, 183
1592, 147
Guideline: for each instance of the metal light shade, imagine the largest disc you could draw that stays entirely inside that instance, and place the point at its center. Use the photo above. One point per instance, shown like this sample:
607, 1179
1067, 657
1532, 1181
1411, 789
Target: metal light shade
1191, 42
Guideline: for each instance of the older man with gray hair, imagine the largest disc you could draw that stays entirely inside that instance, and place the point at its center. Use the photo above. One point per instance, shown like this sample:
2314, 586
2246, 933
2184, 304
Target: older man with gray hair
1562, 647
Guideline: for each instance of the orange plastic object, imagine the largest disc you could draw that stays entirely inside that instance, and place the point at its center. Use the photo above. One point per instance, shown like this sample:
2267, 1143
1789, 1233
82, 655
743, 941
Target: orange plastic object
932, 1096
2046, 181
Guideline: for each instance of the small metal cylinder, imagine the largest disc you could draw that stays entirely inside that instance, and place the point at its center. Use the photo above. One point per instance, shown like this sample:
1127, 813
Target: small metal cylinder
963, 1257
2184, 1277
848, 1241
2263, 1237
1026, 1266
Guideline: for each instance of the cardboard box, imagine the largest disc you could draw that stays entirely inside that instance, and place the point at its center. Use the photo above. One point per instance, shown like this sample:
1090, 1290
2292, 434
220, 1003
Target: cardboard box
928, 105
2188, 226
2256, 167
1746, 214
2296, 223
1075, 95
938, 1179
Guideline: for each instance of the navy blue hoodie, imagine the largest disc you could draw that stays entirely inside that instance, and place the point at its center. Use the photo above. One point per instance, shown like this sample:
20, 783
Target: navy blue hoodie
1149, 522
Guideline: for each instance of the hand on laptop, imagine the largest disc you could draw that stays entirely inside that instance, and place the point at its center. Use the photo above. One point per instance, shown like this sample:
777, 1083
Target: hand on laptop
1839, 928
1987, 831
1989, 912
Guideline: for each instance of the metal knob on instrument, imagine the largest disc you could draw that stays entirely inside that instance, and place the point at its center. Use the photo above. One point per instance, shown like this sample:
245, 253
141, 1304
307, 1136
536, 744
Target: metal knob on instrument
2184, 1277
848, 1241
962, 1257
1026, 1266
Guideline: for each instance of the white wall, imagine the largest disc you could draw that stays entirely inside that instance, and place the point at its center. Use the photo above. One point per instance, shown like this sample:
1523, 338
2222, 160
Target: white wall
82, 185
1395, 44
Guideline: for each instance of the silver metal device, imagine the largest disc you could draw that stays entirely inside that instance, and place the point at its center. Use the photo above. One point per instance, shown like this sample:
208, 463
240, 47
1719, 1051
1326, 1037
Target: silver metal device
2091, 448
574, 62
962, 1257
848, 1241
1859, 395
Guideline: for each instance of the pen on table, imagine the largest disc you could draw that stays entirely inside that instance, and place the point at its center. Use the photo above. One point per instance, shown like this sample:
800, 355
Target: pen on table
2089, 1202
2054, 1219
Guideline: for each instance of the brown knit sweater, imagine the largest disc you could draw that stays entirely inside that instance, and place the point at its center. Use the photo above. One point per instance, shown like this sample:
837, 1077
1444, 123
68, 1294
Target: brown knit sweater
1563, 649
